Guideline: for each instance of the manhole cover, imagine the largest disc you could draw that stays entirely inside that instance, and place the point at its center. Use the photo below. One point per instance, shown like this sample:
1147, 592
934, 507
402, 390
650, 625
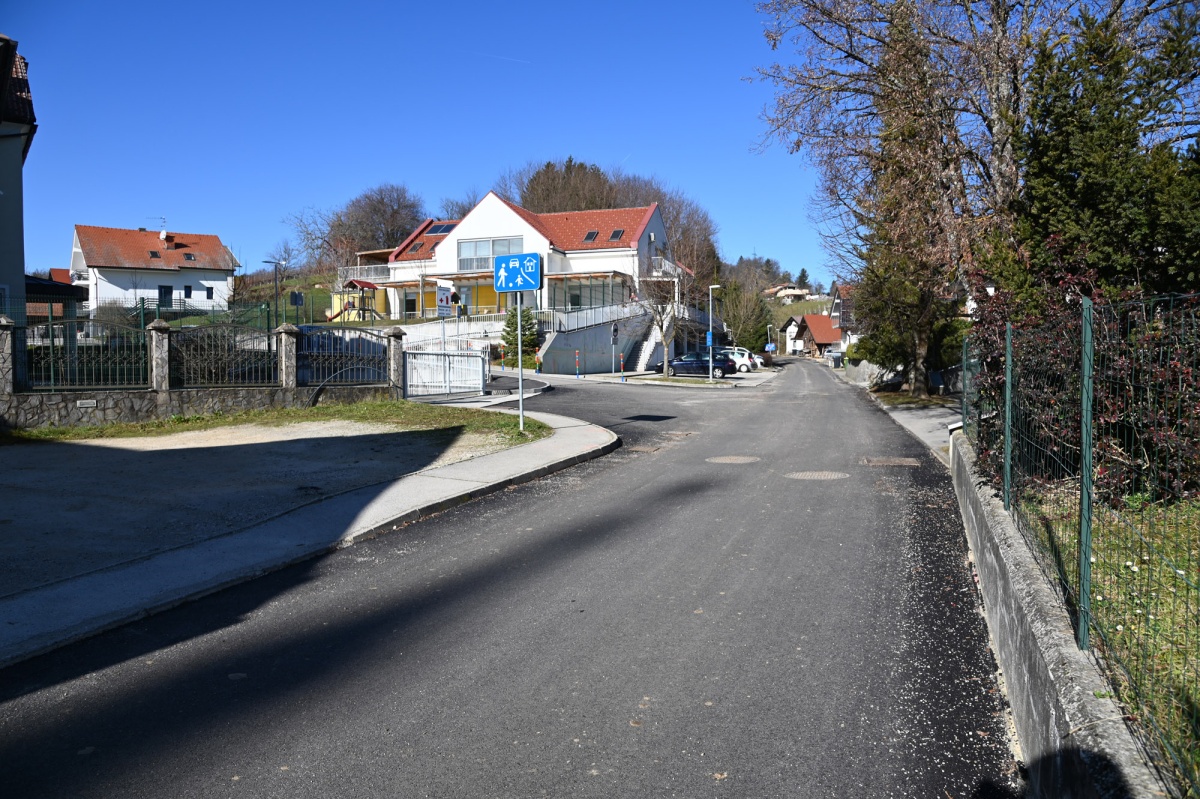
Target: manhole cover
733, 459
817, 476
881, 461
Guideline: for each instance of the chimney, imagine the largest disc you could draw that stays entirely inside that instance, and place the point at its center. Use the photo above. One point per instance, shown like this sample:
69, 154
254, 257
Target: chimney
167, 239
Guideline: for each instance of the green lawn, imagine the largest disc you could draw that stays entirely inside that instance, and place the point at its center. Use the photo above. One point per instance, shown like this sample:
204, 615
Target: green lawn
404, 415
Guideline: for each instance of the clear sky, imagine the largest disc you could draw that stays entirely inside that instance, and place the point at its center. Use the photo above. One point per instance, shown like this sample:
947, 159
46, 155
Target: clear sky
225, 117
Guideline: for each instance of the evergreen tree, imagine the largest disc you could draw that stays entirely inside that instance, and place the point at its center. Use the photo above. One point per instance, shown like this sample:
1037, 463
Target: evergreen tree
908, 242
1097, 197
529, 336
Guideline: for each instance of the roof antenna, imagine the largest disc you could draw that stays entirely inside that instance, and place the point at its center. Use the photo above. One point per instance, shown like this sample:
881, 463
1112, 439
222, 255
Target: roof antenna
162, 225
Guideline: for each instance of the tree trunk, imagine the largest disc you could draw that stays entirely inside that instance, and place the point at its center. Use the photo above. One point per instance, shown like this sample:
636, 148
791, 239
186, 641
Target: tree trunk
919, 380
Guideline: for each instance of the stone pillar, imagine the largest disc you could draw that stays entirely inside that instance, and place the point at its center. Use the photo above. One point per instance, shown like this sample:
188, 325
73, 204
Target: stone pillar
288, 335
395, 354
158, 335
8, 358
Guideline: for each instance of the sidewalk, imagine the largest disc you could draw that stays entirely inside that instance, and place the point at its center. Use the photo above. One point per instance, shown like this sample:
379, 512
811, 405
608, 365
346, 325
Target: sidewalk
930, 425
48, 616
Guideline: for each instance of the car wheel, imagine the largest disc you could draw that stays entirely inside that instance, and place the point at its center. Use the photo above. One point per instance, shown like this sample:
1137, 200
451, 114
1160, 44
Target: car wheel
743, 368
718, 372
670, 371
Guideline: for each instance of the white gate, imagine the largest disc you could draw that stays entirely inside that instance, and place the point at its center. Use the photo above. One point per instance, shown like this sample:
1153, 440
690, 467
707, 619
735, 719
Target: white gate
433, 373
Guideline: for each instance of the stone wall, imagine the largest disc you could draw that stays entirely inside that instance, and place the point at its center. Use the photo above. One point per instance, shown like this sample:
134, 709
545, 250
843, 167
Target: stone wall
91, 407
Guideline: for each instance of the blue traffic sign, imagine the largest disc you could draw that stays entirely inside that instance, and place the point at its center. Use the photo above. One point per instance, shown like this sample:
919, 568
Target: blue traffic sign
521, 272
708, 341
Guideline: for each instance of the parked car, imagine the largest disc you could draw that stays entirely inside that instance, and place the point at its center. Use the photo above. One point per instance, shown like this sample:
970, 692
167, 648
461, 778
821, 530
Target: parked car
759, 362
696, 363
741, 356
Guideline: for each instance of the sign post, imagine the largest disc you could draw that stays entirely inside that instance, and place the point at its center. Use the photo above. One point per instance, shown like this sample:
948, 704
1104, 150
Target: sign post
615, 332
519, 273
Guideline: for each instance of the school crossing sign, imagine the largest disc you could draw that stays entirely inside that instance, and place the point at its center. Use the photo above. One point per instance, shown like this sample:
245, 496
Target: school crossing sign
521, 272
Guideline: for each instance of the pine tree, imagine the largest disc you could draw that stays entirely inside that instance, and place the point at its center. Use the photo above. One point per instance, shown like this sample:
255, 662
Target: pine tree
529, 337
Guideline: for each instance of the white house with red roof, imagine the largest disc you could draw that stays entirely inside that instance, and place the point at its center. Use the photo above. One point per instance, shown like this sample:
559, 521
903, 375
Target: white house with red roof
165, 270
590, 258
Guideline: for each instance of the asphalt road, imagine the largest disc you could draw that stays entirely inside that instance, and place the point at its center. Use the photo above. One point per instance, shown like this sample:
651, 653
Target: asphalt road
763, 594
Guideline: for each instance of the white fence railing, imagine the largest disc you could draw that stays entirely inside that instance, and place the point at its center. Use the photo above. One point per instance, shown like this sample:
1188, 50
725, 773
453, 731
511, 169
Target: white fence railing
435, 373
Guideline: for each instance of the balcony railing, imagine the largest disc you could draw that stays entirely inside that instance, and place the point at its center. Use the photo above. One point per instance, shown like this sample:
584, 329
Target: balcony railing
375, 273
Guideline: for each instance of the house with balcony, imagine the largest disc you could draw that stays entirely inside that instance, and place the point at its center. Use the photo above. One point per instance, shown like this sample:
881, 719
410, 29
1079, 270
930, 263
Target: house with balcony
594, 266
167, 272
841, 313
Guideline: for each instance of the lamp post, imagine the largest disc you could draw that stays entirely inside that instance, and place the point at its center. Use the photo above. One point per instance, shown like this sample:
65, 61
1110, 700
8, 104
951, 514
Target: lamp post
276, 265
710, 346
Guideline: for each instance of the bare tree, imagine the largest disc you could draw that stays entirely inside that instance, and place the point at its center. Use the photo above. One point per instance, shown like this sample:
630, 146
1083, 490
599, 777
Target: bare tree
378, 218
458, 208
663, 289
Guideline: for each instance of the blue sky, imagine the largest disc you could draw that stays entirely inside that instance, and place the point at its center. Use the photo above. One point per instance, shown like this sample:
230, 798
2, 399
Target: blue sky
225, 117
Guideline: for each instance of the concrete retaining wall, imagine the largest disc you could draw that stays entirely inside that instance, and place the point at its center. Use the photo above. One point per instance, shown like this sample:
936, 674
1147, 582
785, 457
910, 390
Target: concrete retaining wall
595, 347
1074, 742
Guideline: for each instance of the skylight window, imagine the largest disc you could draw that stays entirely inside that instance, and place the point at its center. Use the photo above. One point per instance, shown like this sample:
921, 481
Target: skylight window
416, 246
591, 235
154, 254
187, 256
617, 234
441, 229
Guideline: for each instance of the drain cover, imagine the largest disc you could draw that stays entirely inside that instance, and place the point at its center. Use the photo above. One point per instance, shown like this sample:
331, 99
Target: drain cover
890, 461
733, 459
817, 476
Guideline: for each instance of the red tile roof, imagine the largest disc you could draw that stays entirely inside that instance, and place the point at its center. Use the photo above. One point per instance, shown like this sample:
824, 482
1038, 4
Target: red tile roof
821, 327
130, 249
17, 103
428, 242
61, 276
565, 231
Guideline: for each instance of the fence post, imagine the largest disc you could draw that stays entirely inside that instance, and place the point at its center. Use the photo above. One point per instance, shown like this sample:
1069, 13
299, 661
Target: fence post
288, 373
965, 367
1008, 378
7, 357
159, 333
395, 356
1085, 478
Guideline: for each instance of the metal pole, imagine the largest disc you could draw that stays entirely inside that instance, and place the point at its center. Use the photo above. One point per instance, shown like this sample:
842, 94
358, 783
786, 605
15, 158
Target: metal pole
1008, 406
520, 371
1085, 479
275, 316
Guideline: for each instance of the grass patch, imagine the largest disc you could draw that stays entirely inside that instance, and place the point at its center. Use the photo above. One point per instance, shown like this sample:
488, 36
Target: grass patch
895, 399
681, 381
399, 413
1145, 593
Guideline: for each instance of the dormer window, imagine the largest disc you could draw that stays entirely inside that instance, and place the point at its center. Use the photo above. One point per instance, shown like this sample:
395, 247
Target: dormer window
416, 247
591, 235
154, 254
617, 234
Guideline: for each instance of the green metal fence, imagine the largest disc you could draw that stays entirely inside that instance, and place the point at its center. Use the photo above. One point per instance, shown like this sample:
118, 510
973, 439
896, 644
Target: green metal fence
54, 356
1091, 426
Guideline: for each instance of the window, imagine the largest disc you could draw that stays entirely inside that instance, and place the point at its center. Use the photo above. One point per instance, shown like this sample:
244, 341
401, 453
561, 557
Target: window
154, 254
187, 256
164, 296
416, 247
591, 235
442, 229
208, 293
617, 234
187, 292
476, 256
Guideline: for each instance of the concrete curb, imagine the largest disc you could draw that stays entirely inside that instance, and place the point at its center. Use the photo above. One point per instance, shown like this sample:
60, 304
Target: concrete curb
1075, 743
61, 613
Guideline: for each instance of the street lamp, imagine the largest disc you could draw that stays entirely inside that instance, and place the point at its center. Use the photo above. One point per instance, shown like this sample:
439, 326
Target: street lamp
710, 346
276, 264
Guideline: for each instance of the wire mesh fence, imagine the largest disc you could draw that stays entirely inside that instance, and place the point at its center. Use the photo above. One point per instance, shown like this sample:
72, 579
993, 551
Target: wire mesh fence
1092, 427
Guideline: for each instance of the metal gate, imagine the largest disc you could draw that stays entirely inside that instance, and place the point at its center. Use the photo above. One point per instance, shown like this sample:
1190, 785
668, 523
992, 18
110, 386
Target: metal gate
438, 373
